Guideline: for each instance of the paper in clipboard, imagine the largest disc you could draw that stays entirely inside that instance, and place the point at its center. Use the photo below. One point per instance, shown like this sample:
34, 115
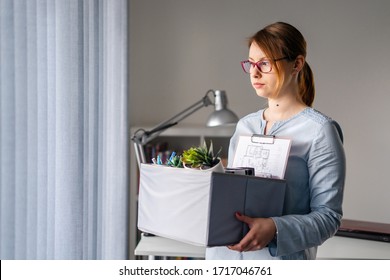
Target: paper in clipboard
268, 155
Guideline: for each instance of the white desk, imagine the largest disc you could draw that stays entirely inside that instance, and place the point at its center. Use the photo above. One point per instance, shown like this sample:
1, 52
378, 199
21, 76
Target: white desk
158, 246
334, 248
339, 247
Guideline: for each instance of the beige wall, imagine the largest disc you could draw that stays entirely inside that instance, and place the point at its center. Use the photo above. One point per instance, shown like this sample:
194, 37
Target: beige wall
181, 48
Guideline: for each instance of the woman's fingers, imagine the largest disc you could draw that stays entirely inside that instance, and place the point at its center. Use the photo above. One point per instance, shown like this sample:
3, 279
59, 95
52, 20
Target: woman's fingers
260, 233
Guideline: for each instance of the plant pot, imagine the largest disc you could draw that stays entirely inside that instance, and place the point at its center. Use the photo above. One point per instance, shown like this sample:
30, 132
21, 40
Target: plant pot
216, 168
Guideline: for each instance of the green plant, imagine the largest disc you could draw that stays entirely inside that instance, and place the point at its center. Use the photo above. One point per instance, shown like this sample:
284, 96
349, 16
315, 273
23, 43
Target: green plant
175, 161
201, 157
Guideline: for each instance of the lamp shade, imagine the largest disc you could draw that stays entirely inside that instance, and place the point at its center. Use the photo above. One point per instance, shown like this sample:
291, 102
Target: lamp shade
222, 115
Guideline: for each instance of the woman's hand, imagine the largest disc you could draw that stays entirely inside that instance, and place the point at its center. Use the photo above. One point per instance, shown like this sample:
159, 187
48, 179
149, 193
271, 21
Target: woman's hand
262, 231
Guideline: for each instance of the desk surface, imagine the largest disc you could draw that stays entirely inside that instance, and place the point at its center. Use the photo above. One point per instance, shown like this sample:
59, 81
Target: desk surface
160, 246
339, 247
334, 248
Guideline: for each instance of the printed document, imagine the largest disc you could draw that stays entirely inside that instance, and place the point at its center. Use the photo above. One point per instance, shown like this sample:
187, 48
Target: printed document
267, 155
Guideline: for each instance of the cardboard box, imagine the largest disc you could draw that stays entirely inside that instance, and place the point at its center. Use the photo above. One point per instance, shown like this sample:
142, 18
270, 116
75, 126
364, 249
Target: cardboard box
198, 206
174, 202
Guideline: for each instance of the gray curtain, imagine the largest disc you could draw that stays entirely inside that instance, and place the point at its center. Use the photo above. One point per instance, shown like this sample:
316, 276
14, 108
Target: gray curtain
63, 129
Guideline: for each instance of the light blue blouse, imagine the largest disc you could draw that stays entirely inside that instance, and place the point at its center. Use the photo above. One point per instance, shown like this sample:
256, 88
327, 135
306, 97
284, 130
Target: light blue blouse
315, 176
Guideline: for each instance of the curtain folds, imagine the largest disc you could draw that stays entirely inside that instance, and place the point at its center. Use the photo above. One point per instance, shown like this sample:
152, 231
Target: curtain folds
63, 129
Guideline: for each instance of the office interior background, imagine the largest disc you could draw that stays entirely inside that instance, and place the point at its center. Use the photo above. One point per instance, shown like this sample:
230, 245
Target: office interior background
76, 75
180, 49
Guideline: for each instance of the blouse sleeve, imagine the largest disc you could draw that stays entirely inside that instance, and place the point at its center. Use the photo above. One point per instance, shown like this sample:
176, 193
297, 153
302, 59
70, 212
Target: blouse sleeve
327, 168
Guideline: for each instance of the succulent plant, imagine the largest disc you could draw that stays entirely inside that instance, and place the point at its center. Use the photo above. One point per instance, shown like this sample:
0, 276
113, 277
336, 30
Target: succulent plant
201, 157
175, 161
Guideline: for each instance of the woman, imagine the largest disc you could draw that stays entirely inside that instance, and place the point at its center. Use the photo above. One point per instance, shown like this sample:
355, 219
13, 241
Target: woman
315, 171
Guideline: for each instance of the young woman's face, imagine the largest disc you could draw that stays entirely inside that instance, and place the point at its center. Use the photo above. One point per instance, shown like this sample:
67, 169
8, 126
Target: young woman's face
265, 84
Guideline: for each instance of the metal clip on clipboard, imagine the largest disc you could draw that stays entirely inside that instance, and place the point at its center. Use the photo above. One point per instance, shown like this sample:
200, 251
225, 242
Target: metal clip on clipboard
263, 139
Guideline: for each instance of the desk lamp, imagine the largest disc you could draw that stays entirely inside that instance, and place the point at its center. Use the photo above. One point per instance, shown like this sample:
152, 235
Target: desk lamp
220, 116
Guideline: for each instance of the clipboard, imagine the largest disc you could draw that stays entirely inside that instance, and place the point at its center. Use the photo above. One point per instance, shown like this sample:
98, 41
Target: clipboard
267, 154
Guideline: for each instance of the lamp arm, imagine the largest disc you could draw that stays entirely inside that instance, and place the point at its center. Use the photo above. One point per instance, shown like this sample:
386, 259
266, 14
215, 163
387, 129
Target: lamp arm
177, 118
142, 137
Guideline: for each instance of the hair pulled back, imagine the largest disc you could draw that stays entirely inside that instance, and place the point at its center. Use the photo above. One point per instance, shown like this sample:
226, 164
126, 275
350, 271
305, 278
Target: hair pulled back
279, 40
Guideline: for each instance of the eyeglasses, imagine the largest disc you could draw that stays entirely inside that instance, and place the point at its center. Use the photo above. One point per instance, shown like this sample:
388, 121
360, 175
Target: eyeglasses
264, 65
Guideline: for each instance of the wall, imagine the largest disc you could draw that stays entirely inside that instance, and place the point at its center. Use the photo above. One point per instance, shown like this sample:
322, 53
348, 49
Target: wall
180, 49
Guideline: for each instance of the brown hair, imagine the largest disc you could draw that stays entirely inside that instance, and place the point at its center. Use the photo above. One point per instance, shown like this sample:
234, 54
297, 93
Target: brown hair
279, 40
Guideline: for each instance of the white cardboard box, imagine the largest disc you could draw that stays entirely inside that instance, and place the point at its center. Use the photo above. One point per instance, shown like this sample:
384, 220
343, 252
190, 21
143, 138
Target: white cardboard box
174, 202
198, 207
